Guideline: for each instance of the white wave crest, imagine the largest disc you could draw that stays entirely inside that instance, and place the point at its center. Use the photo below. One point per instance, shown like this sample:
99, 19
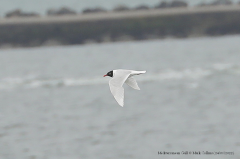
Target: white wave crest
169, 74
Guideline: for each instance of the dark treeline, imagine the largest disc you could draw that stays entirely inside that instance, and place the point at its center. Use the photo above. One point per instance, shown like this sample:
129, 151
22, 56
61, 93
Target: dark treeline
186, 25
124, 28
120, 8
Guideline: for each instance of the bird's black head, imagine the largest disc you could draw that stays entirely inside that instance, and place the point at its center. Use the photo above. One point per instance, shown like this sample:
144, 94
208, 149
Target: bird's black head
110, 74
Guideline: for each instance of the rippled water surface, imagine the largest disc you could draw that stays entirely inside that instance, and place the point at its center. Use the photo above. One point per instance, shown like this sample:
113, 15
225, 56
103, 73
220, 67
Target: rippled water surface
55, 104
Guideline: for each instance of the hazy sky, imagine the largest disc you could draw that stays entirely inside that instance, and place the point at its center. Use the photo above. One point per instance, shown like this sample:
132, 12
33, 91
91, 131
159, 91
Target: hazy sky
40, 6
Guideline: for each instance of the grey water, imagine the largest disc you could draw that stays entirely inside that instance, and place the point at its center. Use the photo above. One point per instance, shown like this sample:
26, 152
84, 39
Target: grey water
55, 103
41, 6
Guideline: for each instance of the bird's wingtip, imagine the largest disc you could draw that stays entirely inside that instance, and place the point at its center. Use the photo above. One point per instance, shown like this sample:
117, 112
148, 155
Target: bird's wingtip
121, 104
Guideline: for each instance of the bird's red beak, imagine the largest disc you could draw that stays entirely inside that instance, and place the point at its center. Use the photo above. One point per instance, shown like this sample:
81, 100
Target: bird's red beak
104, 75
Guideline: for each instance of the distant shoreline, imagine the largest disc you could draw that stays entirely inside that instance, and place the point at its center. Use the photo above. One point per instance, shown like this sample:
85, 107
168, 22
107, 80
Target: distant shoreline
117, 15
119, 26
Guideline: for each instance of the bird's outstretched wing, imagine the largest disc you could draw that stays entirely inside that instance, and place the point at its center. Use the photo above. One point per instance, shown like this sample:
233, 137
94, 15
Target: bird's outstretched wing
116, 84
118, 93
132, 83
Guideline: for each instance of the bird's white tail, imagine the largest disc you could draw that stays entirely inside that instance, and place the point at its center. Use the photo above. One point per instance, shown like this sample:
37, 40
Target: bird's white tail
139, 72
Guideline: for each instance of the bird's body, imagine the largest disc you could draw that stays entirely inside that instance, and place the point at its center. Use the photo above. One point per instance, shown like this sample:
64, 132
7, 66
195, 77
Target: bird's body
119, 77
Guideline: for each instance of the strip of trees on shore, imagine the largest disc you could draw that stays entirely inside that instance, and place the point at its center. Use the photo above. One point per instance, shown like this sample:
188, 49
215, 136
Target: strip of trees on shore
190, 24
120, 8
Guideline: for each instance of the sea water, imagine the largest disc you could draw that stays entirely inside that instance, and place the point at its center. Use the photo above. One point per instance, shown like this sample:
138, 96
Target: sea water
56, 104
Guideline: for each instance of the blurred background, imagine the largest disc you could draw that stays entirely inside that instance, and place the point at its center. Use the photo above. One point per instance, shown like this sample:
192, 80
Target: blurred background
55, 103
